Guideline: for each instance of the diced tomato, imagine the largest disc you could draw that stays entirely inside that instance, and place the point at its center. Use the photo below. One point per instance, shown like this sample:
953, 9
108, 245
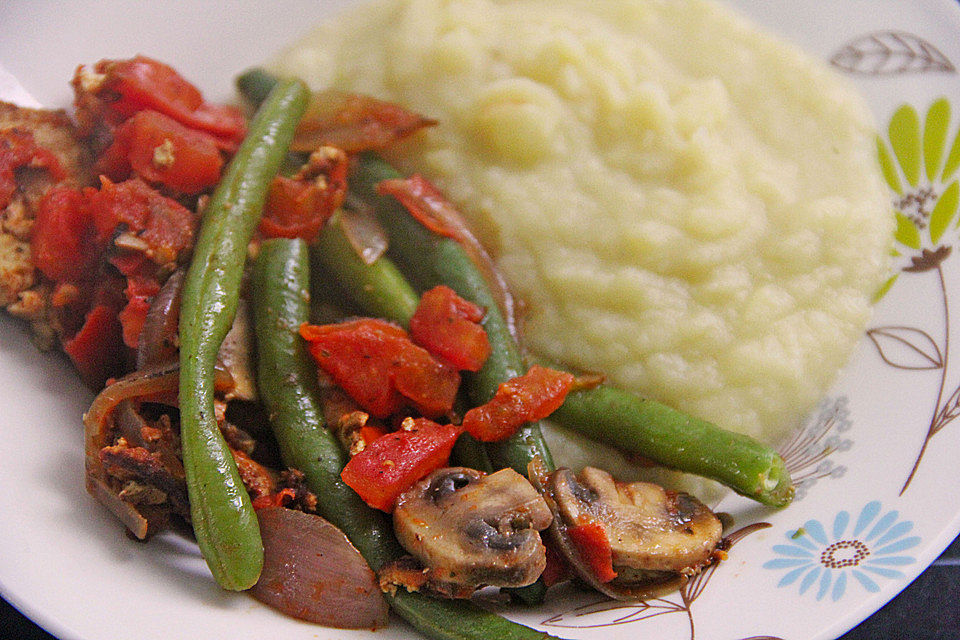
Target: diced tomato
526, 398
592, 542
557, 569
281, 498
370, 432
378, 366
142, 83
132, 263
391, 464
62, 245
164, 224
95, 348
423, 200
449, 327
162, 151
428, 383
358, 356
131, 320
18, 149
139, 292
294, 209
354, 123
298, 207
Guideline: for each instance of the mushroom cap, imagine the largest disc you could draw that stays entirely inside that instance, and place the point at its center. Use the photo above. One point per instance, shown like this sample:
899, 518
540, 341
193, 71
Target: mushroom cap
473, 529
649, 528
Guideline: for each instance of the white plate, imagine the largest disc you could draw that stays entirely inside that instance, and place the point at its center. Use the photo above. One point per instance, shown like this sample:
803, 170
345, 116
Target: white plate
853, 539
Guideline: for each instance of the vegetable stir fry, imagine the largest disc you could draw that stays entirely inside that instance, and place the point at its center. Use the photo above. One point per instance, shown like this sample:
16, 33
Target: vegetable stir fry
297, 350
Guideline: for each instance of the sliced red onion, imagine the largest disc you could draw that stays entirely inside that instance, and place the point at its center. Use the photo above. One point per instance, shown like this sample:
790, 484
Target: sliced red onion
312, 572
363, 231
158, 338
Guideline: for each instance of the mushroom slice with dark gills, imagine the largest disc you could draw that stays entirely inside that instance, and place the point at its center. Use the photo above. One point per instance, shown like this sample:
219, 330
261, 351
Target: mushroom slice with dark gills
468, 529
657, 538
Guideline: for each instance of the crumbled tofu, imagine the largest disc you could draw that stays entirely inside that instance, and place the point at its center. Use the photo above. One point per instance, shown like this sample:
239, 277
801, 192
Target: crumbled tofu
21, 292
16, 269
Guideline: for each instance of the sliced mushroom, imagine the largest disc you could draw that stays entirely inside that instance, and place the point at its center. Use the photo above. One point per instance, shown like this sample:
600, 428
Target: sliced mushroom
657, 538
469, 529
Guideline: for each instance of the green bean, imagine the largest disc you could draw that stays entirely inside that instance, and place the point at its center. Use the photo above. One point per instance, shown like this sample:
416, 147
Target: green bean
440, 260
287, 382
222, 515
288, 387
379, 287
255, 84
674, 439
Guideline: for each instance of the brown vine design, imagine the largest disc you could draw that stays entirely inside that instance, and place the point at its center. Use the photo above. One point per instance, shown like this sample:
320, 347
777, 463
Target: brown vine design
913, 349
607, 613
885, 53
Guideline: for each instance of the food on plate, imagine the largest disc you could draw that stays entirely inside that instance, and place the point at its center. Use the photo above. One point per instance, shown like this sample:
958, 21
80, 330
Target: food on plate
311, 358
652, 539
155, 274
38, 149
467, 528
679, 199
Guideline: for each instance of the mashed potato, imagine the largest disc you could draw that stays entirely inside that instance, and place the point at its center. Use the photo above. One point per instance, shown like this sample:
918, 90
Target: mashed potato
681, 200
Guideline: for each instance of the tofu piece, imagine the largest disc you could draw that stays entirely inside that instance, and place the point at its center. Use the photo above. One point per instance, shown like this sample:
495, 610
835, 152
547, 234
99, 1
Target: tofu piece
21, 292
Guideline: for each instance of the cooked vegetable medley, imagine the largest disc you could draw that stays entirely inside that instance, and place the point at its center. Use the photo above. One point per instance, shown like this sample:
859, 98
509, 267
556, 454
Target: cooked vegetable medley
310, 360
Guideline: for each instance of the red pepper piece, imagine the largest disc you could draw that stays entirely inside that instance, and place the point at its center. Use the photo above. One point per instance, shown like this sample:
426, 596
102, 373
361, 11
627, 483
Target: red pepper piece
18, 149
526, 398
62, 245
380, 368
592, 542
391, 464
162, 151
449, 327
95, 348
146, 84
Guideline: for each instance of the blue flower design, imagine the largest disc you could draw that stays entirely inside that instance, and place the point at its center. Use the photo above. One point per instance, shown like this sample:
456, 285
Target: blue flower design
868, 548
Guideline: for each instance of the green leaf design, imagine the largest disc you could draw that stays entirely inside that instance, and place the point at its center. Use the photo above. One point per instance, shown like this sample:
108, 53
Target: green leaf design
953, 160
904, 134
885, 287
944, 211
935, 135
907, 233
888, 167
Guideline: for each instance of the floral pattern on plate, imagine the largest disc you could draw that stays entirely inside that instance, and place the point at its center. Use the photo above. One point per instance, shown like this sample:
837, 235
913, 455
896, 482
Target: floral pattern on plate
867, 549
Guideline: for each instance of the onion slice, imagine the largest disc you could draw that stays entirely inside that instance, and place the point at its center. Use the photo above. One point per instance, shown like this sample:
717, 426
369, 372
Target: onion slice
363, 231
312, 572
124, 511
158, 338
146, 383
